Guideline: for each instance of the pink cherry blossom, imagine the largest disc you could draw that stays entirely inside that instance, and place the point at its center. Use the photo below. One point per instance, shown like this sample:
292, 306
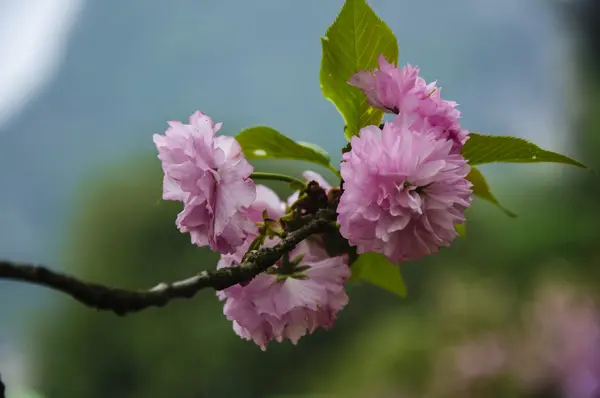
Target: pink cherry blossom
210, 175
397, 90
441, 119
272, 307
277, 305
403, 192
392, 89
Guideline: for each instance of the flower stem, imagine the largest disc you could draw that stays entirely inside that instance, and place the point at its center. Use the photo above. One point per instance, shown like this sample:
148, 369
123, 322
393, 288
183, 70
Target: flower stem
295, 182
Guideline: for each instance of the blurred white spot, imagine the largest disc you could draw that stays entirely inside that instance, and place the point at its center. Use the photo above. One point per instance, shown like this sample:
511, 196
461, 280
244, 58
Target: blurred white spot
260, 152
33, 38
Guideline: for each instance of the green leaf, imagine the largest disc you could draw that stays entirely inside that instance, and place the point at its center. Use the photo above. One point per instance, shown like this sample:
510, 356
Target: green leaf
353, 43
482, 189
378, 270
263, 142
461, 229
315, 148
480, 149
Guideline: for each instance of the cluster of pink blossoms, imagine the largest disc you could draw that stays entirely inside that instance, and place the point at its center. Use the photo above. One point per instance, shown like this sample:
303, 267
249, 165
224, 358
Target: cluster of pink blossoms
405, 185
404, 190
222, 206
305, 290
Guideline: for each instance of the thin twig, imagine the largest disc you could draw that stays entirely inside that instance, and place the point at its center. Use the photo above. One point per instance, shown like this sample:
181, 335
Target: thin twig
122, 301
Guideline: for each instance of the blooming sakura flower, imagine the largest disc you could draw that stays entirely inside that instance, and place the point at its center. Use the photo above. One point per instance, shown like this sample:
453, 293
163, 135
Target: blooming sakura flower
210, 175
288, 306
397, 90
304, 291
392, 89
269, 308
440, 118
403, 192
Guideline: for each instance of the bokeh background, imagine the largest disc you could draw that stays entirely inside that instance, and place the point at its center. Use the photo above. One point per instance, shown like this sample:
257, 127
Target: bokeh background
511, 311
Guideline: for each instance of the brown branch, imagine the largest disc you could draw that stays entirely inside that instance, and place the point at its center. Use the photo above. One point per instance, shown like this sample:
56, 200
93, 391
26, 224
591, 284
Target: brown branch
122, 302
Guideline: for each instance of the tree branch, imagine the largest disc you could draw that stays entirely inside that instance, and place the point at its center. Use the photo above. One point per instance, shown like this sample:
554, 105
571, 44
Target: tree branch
122, 302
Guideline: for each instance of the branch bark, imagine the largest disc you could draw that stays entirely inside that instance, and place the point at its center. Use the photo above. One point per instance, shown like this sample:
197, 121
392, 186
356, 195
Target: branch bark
122, 301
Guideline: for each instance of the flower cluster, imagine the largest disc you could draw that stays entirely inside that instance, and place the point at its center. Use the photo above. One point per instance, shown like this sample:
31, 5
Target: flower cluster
304, 290
405, 185
404, 190
222, 208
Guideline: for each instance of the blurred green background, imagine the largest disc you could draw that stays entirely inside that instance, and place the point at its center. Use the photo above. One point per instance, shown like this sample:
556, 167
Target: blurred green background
511, 311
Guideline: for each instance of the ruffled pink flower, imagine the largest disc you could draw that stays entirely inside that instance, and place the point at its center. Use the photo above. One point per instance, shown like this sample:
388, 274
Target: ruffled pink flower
440, 118
210, 175
403, 192
397, 90
392, 89
268, 308
278, 307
